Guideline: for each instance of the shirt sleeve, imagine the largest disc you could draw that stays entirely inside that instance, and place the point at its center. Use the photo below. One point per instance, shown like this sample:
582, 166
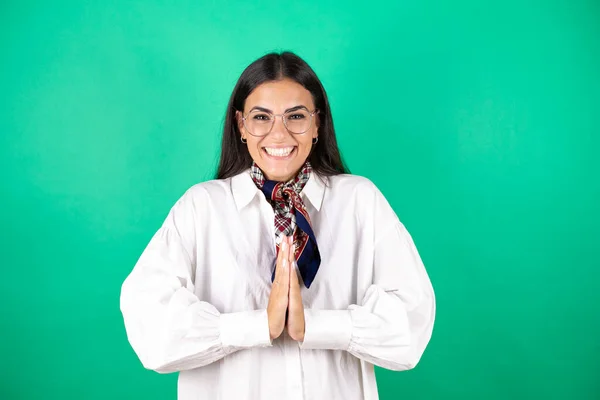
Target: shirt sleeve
392, 324
168, 327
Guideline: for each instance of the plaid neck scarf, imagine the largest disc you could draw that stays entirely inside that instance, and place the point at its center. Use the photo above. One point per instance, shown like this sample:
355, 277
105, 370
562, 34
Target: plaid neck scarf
291, 218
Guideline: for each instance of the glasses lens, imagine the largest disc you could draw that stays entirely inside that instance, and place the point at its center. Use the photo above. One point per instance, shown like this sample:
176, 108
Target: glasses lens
259, 123
298, 121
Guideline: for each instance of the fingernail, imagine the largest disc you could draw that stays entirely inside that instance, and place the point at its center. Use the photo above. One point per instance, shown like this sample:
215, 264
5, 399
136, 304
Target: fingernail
283, 244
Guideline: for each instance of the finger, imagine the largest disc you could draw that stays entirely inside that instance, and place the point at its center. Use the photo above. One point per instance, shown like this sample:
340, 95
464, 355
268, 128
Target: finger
294, 278
282, 255
292, 251
292, 259
293, 273
285, 279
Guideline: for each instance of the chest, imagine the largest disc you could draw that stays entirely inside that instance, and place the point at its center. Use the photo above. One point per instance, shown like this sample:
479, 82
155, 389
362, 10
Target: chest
236, 257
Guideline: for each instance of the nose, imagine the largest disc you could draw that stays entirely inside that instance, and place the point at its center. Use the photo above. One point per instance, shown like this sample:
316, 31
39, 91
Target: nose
279, 129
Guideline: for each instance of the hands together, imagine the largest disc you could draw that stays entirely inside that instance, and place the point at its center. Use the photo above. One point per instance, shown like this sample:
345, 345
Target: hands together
285, 296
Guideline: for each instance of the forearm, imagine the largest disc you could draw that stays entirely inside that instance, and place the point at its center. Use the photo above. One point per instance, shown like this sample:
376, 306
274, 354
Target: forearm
187, 333
381, 331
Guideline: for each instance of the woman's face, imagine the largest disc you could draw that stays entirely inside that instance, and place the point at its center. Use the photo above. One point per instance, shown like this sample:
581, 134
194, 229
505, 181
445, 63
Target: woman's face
280, 154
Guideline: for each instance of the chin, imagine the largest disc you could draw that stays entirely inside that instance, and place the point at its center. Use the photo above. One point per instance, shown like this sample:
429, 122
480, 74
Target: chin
281, 168
281, 172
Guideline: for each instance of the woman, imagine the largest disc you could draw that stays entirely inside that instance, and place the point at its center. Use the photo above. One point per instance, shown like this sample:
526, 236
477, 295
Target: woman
285, 277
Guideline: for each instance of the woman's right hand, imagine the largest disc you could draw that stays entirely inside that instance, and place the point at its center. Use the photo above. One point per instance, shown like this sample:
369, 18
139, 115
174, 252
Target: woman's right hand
278, 300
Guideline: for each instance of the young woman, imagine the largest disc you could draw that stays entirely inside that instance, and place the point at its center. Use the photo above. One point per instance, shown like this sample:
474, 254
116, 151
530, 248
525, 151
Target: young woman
286, 277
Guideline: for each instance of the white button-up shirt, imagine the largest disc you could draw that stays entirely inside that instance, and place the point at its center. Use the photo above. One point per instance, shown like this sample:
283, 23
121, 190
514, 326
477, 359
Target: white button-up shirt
196, 299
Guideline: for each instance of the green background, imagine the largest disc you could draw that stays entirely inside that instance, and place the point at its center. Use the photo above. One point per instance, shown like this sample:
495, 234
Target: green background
479, 121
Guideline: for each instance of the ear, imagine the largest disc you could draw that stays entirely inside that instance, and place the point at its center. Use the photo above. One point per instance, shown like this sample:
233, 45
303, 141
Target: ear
317, 124
240, 123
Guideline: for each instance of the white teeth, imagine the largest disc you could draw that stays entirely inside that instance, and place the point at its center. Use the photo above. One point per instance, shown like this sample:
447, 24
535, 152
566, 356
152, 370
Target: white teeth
279, 152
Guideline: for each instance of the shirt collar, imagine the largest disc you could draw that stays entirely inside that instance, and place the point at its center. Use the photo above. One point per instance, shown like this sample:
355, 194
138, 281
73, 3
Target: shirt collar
314, 190
244, 190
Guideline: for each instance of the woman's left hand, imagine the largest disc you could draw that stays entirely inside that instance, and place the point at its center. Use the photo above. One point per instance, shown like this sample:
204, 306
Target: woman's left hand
295, 323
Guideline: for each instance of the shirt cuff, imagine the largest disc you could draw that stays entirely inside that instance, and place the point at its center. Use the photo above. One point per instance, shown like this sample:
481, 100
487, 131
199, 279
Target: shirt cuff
245, 329
327, 329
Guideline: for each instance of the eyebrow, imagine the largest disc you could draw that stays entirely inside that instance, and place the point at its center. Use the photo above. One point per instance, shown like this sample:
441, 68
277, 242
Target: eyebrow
259, 108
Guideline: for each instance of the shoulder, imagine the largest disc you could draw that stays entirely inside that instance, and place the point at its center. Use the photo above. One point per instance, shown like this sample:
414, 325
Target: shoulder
359, 195
211, 188
352, 186
342, 180
202, 194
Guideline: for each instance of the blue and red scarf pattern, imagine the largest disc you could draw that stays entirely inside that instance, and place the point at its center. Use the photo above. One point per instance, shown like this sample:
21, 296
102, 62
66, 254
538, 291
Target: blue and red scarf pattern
291, 218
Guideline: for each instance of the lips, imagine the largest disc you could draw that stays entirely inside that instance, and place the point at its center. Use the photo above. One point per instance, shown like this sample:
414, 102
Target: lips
279, 152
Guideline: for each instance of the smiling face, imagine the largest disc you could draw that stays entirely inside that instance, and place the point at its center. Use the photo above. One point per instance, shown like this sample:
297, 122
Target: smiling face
280, 154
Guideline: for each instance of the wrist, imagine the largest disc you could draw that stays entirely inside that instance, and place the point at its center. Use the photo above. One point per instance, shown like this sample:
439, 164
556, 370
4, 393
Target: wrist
244, 329
327, 329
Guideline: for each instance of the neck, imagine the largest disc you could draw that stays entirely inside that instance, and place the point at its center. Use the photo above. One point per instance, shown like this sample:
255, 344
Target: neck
281, 178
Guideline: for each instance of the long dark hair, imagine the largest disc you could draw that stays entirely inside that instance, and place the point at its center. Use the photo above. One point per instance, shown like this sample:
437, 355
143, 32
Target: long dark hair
325, 155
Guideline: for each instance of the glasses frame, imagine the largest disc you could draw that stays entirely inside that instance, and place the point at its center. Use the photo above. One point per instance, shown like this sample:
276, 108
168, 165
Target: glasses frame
311, 113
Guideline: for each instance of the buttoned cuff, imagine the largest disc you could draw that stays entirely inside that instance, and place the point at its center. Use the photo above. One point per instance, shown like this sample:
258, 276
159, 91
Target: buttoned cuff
245, 329
327, 329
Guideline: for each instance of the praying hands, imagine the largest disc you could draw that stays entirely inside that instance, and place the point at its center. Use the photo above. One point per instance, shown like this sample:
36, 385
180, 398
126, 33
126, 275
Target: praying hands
285, 296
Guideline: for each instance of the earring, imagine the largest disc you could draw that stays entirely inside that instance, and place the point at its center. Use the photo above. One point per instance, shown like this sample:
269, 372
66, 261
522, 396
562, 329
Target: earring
315, 140
243, 140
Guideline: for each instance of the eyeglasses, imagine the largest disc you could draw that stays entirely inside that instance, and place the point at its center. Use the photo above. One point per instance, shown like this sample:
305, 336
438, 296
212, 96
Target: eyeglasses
260, 123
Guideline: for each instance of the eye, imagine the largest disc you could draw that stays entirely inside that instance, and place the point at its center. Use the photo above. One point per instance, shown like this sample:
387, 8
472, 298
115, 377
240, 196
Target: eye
296, 116
261, 117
